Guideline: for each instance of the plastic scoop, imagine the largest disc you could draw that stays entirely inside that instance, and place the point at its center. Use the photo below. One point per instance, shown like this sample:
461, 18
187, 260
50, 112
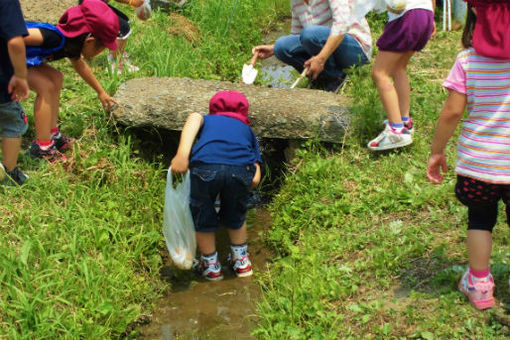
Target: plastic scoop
301, 76
249, 72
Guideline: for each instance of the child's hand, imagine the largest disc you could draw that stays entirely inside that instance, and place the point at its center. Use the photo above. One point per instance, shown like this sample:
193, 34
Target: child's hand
18, 88
315, 66
263, 51
256, 178
436, 163
179, 164
107, 101
395, 11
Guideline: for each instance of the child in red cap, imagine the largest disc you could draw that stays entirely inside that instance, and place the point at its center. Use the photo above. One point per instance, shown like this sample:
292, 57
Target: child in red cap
83, 30
225, 161
119, 59
480, 81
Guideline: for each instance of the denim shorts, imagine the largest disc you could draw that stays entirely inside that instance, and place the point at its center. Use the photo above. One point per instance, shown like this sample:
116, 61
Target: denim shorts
13, 121
232, 183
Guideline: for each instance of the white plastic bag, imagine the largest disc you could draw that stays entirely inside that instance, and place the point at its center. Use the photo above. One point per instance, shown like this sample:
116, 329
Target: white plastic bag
178, 227
144, 11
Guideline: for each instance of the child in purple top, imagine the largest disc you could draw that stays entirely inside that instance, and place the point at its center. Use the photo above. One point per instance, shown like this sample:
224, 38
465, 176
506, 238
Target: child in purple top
405, 33
225, 161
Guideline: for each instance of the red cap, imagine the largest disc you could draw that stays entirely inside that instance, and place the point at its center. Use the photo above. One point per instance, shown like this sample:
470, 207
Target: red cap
94, 17
491, 37
231, 104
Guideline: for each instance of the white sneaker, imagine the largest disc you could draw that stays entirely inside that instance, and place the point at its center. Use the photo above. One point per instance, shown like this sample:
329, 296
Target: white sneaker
240, 266
390, 139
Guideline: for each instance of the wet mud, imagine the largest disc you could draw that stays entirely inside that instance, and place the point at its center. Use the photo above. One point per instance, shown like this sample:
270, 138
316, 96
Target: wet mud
194, 308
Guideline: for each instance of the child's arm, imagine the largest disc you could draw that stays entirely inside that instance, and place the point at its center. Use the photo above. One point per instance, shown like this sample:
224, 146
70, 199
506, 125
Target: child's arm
83, 69
449, 118
18, 86
180, 162
132, 3
256, 178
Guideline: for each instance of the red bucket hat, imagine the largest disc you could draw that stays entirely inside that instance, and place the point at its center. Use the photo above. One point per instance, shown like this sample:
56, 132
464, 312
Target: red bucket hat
231, 104
94, 17
491, 37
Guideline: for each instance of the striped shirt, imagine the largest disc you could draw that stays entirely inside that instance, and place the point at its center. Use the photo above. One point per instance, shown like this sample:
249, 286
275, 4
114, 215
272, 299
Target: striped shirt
334, 14
483, 149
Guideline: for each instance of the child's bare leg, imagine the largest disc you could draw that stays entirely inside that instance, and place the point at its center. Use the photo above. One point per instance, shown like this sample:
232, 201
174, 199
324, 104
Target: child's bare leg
385, 64
206, 242
10, 150
479, 245
238, 236
47, 83
121, 45
401, 83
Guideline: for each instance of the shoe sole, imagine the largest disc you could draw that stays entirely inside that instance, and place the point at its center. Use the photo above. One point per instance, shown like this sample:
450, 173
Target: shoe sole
389, 147
479, 304
250, 273
219, 278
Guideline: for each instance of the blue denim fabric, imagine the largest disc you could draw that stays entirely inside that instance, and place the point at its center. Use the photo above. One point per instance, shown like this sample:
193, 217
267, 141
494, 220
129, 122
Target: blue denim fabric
296, 49
231, 182
13, 121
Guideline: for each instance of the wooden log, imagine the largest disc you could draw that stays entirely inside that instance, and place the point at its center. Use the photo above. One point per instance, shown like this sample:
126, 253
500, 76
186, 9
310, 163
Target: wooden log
274, 112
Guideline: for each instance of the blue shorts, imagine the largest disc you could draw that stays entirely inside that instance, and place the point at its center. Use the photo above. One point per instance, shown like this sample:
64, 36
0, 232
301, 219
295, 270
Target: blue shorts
232, 183
13, 121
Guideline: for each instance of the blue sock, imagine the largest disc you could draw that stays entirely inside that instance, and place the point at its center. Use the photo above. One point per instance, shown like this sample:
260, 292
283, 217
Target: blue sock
396, 126
405, 119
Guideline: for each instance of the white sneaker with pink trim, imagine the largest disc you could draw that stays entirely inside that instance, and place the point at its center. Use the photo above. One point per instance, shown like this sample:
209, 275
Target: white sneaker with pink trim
480, 292
390, 139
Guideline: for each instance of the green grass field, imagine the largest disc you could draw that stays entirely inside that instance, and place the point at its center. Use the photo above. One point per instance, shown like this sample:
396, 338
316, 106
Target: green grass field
366, 249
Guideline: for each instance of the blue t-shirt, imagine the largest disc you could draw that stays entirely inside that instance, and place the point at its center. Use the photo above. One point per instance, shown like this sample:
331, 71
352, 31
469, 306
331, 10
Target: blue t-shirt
12, 25
225, 140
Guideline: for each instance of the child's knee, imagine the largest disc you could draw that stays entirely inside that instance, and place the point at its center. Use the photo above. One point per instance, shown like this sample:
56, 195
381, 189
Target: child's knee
58, 80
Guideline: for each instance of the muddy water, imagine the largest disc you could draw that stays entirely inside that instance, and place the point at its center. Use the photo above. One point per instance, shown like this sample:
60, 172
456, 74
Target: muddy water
273, 72
199, 309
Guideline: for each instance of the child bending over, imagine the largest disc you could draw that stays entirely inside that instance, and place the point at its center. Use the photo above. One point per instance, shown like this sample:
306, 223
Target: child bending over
225, 161
480, 79
83, 30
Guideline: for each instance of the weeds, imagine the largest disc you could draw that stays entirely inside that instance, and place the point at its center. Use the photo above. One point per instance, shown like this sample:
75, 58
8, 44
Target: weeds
81, 242
368, 248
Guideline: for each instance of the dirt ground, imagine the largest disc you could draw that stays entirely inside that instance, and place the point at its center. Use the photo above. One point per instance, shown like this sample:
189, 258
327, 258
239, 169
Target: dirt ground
45, 11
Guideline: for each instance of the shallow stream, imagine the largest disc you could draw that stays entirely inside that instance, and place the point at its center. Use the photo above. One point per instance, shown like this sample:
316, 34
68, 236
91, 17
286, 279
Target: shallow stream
198, 309
194, 308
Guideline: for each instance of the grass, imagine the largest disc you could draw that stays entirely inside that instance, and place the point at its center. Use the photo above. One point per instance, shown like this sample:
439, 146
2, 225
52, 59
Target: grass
81, 241
367, 247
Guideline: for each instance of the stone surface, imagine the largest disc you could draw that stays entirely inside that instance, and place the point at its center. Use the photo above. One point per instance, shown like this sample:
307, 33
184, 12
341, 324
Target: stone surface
274, 112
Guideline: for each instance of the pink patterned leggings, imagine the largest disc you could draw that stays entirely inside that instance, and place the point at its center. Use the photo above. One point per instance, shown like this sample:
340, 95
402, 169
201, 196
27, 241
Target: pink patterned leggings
482, 199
